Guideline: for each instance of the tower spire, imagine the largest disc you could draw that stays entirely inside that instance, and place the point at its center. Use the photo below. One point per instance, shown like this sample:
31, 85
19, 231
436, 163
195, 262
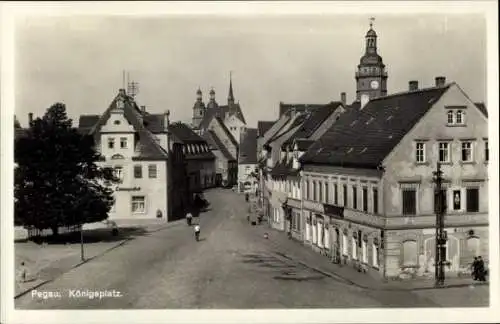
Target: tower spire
230, 97
372, 19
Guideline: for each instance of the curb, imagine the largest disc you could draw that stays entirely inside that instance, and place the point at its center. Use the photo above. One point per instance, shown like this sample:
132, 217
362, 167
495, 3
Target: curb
27, 290
350, 282
73, 267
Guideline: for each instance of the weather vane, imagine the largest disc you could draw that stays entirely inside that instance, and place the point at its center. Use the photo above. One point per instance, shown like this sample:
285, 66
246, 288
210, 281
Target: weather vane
372, 19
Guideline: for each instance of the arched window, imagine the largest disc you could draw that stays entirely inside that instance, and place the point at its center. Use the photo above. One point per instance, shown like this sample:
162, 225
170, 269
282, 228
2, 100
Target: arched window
410, 253
460, 117
450, 117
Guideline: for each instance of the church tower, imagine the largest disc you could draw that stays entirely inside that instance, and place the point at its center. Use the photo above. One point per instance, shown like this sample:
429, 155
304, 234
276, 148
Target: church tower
371, 76
198, 109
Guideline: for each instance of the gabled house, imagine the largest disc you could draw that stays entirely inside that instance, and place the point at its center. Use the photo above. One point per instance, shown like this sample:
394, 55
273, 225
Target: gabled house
217, 126
226, 165
133, 143
200, 161
368, 189
247, 161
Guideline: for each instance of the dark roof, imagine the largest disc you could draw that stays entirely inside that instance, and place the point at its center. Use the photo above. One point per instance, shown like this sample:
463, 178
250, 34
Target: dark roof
20, 132
283, 168
303, 144
263, 127
284, 108
363, 138
216, 144
482, 107
148, 147
313, 120
214, 110
248, 147
184, 134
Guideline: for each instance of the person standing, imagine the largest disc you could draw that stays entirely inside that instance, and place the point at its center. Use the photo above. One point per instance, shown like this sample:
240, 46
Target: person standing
189, 218
481, 271
474, 268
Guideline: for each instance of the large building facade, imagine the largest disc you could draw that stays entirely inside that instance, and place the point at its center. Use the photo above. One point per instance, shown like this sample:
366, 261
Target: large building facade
363, 193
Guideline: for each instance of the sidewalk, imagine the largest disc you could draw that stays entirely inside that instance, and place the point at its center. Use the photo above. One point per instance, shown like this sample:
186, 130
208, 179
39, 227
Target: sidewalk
46, 262
304, 255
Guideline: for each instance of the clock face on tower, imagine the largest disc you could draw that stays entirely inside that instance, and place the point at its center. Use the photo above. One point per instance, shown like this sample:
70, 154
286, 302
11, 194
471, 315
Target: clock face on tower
374, 84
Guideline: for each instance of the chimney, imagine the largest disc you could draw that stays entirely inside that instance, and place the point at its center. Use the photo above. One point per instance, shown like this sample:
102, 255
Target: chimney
440, 81
343, 98
143, 109
413, 85
30, 118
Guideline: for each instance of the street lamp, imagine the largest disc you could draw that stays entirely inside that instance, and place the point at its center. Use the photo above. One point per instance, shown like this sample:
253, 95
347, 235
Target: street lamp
441, 235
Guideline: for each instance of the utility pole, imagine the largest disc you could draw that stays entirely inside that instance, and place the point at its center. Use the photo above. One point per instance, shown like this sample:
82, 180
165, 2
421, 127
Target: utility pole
440, 208
82, 256
169, 166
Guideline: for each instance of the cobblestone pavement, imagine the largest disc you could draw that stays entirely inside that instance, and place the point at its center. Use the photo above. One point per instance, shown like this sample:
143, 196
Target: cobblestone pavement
231, 267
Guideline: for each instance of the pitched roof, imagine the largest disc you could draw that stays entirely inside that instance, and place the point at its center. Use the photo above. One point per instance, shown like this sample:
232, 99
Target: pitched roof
284, 108
482, 107
248, 147
216, 144
147, 145
184, 134
303, 144
214, 110
226, 131
363, 138
313, 120
263, 127
284, 167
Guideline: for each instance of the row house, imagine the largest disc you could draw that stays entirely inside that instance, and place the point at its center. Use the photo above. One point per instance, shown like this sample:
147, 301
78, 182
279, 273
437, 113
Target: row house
368, 194
226, 165
247, 161
306, 122
200, 161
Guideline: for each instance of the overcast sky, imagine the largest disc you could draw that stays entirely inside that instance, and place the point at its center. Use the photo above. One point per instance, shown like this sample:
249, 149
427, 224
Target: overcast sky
309, 59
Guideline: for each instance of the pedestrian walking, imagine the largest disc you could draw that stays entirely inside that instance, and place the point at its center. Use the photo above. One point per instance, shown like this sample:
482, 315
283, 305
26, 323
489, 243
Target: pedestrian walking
481, 271
474, 268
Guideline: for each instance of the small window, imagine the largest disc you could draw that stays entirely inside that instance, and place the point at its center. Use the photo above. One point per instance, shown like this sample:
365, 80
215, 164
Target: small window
138, 204
375, 200
466, 151
320, 191
457, 201
420, 152
315, 197
365, 199
327, 194
138, 171
459, 117
486, 151
345, 195
472, 200
123, 142
118, 170
152, 171
111, 143
354, 197
450, 117
335, 194
444, 152
116, 122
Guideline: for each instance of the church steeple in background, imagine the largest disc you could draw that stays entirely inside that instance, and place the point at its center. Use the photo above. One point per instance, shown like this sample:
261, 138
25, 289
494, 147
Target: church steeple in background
230, 96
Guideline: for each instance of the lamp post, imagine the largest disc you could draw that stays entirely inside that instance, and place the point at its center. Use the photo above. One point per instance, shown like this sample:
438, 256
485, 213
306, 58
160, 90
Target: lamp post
440, 208
169, 166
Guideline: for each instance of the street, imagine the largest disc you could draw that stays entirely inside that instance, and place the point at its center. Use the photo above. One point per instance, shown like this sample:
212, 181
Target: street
232, 266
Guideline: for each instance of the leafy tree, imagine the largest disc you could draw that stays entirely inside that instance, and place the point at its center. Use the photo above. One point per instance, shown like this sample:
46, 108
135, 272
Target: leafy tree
57, 181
